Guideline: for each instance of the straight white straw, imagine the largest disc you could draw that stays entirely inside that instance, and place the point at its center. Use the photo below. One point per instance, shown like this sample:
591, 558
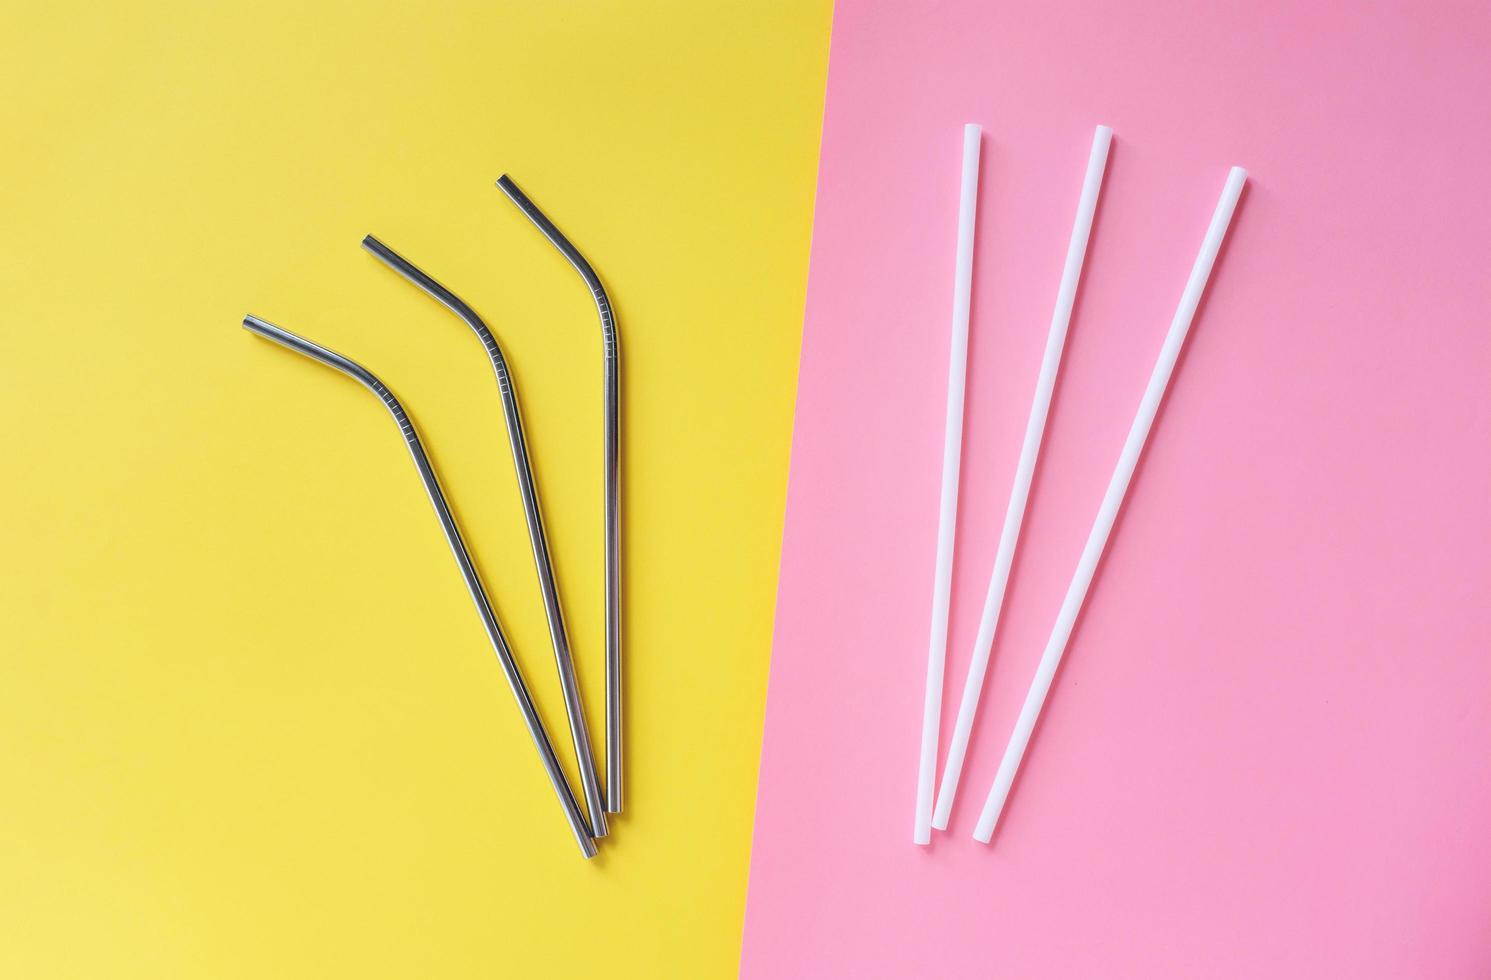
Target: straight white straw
1014, 515
947, 514
1112, 500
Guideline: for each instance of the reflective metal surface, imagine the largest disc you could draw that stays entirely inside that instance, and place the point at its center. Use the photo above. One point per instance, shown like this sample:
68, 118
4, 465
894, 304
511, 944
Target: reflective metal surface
612, 345
573, 705
422, 463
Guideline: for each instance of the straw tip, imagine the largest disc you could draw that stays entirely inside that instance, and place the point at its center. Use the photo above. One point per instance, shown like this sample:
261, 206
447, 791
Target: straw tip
972, 130
260, 327
370, 242
1104, 132
1237, 174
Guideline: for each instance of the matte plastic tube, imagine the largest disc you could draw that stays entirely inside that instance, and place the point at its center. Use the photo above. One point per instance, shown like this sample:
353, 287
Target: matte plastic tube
1014, 515
1108, 511
947, 514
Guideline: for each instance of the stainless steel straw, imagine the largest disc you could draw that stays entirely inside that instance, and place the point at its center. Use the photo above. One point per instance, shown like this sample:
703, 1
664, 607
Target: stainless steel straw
613, 480
463, 559
579, 732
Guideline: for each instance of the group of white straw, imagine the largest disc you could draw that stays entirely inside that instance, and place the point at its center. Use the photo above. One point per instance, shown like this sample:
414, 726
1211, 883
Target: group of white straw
926, 816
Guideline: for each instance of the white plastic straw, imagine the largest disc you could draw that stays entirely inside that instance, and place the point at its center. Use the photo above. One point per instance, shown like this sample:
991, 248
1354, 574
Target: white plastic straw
1014, 516
1112, 500
947, 514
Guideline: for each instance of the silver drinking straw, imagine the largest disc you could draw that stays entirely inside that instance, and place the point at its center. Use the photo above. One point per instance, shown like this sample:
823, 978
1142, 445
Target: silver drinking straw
463, 559
613, 480
573, 707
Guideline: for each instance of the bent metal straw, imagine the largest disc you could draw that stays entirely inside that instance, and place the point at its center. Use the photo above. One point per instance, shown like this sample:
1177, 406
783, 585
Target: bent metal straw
573, 707
463, 559
612, 452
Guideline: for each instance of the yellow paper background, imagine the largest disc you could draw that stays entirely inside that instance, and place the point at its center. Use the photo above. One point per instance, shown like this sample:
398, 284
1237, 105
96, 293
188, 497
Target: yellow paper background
249, 723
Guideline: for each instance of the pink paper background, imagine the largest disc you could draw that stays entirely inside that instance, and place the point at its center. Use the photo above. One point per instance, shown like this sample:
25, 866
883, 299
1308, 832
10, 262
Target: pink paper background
1268, 753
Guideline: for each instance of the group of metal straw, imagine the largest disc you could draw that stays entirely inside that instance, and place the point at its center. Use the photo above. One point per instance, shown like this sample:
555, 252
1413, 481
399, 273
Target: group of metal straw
926, 817
586, 824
